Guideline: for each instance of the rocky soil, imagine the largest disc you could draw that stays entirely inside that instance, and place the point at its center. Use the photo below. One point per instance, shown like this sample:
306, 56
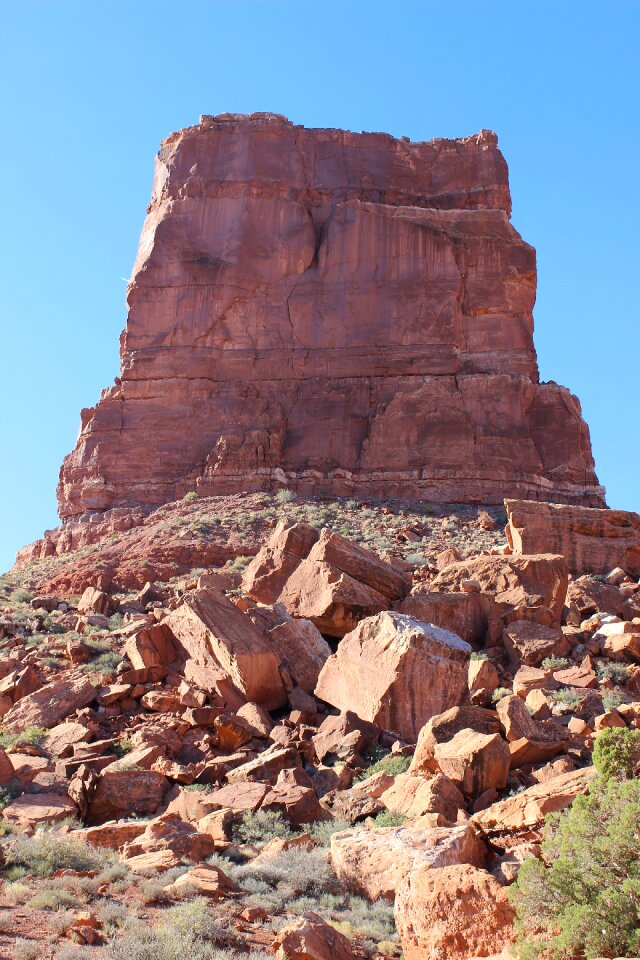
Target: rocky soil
264, 726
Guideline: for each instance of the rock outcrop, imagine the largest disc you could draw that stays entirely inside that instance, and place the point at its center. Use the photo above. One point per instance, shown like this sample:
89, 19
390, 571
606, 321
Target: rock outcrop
341, 313
592, 540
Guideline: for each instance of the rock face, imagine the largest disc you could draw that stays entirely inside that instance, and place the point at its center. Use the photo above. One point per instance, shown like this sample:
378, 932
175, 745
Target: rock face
455, 912
333, 311
396, 672
592, 540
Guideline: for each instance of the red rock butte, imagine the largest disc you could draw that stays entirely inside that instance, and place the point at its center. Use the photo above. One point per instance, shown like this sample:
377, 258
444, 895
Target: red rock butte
341, 313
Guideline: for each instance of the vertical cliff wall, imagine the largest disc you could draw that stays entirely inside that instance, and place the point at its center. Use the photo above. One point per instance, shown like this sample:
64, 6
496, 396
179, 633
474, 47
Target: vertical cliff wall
342, 313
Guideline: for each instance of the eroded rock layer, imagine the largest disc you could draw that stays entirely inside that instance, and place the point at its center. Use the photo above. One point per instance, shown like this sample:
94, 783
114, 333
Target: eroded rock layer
343, 313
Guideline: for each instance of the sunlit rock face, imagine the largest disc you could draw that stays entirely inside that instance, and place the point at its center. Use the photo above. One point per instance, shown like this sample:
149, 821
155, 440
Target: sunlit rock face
343, 313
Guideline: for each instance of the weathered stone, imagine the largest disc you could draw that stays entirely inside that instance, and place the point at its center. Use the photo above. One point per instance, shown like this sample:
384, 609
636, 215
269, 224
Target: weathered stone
414, 796
341, 324
470, 615
51, 704
121, 793
31, 809
372, 862
396, 672
526, 811
593, 540
531, 643
309, 937
444, 727
288, 545
520, 584
455, 912
212, 631
94, 600
474, 761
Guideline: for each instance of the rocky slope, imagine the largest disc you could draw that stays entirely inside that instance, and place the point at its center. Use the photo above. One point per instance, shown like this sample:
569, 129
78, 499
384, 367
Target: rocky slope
321, 753
346, 314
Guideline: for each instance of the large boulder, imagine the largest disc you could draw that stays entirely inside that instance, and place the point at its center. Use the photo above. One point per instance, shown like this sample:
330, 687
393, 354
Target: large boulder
443, 727
123, 793
474, 761
396, 672
523, 586
309, 937
298, 643
339, 584
214, 633
373, 862
471, 615
51, 704
505, 822
455, 912
267, 573
592, 539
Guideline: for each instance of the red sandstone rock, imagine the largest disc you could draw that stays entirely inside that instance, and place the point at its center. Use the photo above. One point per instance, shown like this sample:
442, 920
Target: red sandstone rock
474, 761
455, 912
51, 704
519, 584
120, 793
372, 862
396, 672
526, 811
272, 566
444, 727
328, 310
470, 615
213, 632
416, 796
309, 937
530, 643
592, 540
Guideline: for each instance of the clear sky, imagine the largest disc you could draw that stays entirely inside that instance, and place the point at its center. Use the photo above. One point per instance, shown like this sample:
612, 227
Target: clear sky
90, 87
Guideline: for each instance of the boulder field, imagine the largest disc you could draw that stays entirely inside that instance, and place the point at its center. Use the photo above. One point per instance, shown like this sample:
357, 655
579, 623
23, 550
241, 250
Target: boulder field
317, 741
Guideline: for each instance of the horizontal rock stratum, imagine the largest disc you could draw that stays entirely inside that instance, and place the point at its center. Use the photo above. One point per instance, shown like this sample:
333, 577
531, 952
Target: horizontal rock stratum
343, 313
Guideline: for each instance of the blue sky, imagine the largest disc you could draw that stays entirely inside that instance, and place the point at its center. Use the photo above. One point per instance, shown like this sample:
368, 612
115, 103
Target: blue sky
90, 87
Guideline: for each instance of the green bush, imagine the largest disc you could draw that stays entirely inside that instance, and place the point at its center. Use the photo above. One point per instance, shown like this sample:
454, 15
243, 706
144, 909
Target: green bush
46, 851
32, 736
285, 496
616, 753
479, 655
613, 699
555, 663
188, 497
260, 827
583, 898
499, 693
616, 672
567, 698
388, 819
391, 764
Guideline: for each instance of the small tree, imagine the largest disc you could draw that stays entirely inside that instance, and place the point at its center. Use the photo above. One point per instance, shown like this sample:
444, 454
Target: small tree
583, 897
617, 753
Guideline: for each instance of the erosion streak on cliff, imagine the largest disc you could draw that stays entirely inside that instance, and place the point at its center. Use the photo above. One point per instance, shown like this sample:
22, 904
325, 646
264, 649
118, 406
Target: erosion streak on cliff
346, 313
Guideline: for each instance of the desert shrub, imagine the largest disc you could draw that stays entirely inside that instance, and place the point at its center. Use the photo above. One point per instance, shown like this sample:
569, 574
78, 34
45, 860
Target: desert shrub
566, 698
71, 951
15, 893
122, 747
616, 672
392, 764
613, 699
583, 897
31, 735
292, 873
616, 753
104, 663
499, 693
388, 819
54, 899
285, 496
20, 595
187, 930
260, 827
555, 663
323, 830
188, 497
45, 852
26, 950
479, 655
7, 794
238, 564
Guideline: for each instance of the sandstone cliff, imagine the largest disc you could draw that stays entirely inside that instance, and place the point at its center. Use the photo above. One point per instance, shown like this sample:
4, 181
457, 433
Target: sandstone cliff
343, 313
